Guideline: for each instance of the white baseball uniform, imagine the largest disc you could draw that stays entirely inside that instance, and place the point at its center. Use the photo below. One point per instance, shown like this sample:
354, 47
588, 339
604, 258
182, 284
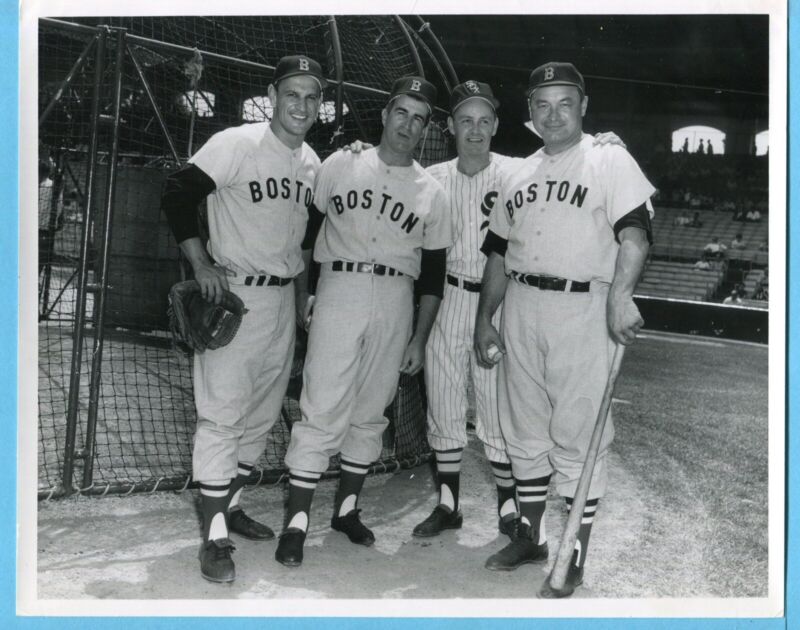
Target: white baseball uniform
450, 355
557, 214
257, 217
375, 215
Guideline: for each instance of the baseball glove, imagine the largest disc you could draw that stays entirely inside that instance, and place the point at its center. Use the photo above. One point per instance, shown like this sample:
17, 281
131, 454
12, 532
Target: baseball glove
199, 325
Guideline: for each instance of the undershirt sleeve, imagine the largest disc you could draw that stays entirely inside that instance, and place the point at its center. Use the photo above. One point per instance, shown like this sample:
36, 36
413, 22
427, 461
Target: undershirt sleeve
184, 190
432, 272
494, 243
638, 217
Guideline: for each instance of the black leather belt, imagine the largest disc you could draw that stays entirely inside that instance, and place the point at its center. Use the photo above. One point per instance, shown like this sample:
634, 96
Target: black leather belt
378, 270
549, 283
270, 281
467, 285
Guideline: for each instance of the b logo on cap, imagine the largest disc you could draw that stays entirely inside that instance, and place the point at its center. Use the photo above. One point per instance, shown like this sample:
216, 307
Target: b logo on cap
303, 63
473, 87
549, 73
415, 85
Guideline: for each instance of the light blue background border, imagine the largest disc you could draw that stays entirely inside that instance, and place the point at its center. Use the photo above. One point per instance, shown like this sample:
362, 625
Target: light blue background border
9, 248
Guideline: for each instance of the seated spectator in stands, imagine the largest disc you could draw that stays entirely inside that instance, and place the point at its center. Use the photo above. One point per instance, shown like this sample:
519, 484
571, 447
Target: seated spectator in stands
695, 222
737, 242
753, 216
714, 250
733, 298
703, 265
682, 219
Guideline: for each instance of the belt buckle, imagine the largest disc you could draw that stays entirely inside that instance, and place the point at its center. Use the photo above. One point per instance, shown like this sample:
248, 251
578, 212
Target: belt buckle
364, 267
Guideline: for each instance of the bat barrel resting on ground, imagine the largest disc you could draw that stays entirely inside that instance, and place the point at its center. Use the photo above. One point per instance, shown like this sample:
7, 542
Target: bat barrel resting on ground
558, 574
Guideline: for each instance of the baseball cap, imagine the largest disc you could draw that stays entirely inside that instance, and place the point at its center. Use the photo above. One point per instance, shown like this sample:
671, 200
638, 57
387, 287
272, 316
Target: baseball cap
555, 73
414, 86
472, 89
293, 65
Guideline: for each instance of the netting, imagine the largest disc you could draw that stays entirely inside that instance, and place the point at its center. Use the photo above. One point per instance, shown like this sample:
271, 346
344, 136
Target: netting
181, 80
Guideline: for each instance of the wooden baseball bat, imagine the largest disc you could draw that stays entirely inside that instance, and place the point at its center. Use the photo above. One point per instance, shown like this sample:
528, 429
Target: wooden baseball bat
558, 575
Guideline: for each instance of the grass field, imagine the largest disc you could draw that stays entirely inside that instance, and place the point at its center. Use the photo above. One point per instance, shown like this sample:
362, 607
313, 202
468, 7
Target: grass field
685, 515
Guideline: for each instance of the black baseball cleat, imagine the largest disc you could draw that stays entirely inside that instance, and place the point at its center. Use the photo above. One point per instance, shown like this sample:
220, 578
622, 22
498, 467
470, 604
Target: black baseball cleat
507, 525
440, 519
521, 550
240, 523
574, 580
290, 547
216, 564
351, 525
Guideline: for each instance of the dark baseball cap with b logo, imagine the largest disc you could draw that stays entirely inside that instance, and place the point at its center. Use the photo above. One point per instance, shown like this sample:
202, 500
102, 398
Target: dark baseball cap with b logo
417, 87
555, 73
469, 90
294, 65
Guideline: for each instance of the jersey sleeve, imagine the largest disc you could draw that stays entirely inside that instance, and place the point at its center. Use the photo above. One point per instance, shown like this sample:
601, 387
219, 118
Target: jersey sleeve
220, 157
438, 230
327, 176
626, 184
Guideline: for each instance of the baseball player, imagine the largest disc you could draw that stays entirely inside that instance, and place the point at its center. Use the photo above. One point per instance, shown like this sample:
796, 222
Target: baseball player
385, 225
259, 181
471, 181
572, 231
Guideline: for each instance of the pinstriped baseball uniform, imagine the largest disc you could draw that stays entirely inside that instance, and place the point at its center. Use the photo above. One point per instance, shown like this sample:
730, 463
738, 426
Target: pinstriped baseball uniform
257, 217
375, 214
557, 213
450, 356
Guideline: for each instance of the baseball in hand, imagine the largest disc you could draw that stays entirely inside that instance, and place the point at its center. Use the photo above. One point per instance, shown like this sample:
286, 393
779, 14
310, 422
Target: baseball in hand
494, 354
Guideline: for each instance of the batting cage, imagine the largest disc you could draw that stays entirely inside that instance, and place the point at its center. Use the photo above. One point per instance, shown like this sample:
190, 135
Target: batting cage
122, 103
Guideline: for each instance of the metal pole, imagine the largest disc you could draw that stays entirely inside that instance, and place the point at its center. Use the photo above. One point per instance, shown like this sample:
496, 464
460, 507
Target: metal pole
67, 80
80, 302
339, 64
152, 100
425, 27
100, 298
414, 53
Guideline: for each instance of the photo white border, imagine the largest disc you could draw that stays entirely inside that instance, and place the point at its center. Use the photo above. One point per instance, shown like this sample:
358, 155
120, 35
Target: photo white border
27, 602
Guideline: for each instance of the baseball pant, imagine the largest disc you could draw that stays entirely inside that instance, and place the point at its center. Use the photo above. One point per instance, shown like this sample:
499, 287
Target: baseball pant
239, 388
449, 361
359, 332
551, 383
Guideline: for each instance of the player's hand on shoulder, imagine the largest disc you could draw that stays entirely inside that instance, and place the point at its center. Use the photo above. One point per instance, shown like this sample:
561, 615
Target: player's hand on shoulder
608, 137
356, 147
413, 357
213, 281
624, 319
486, 336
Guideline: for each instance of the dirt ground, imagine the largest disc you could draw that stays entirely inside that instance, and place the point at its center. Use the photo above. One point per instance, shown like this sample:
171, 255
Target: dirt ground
145, 547
687, 489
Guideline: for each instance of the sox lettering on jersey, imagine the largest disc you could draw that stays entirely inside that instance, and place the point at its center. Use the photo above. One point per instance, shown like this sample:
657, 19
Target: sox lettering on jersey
271, 186
486, 207
553, 189
364, 199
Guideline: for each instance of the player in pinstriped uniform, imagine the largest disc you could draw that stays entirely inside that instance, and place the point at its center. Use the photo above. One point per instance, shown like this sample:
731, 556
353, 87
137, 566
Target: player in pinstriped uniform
472, 183
259, 181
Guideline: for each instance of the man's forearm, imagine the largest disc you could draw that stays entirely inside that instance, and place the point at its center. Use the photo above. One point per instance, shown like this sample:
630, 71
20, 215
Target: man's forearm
631, 259
426, 315
195, 253
493, 286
